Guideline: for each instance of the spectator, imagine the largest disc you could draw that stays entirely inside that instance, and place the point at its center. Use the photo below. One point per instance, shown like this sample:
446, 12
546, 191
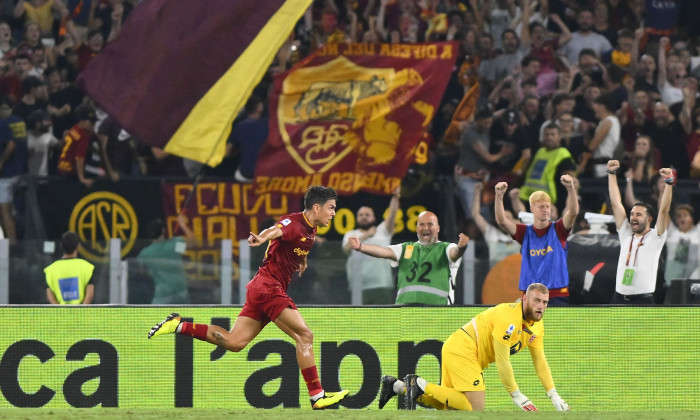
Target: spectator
86, 50
374, 274
248, 137
32, 39
7, 45
682, 246
670, 78
669, 138
531, 119
69, 280
120, 150
601, 21
645, 79
491, 71
626, 52
63, 99
506, 132
41, 12
548, 165
34, 98
499, 242
534, 35
605, 144
13, 164
499, 17
584, 38
77, 142
40, 142
574, 140
429, 261
475, 159
643, 162
163, 261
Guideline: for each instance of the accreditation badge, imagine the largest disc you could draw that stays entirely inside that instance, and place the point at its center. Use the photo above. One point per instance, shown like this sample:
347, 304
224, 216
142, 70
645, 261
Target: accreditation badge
627, 276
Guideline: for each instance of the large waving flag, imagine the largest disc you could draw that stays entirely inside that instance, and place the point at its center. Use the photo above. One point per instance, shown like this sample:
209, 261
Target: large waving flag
351, 115
181, 70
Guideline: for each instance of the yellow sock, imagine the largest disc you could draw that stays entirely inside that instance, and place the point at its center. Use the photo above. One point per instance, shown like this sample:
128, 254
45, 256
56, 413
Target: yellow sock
450, 397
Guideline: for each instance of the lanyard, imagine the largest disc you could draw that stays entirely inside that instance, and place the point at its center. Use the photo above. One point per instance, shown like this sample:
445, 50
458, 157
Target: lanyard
629, 254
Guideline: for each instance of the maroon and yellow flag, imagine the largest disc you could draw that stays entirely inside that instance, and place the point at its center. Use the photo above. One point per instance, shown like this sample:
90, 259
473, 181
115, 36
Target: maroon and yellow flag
180, 70
350, 116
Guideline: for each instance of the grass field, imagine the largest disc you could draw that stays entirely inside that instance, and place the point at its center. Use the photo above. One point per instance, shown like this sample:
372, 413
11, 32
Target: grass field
307, 414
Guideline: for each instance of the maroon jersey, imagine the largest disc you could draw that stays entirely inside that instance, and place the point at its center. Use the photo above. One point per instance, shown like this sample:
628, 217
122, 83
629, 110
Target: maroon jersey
284, 255
76, 142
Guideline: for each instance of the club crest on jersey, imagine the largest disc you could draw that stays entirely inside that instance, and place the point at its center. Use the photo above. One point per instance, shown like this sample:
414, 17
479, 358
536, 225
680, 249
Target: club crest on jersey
286, 222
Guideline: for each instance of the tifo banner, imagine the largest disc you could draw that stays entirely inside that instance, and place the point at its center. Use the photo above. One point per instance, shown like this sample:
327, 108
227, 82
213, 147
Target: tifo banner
71, 357
179, 72
350, 116
227, 210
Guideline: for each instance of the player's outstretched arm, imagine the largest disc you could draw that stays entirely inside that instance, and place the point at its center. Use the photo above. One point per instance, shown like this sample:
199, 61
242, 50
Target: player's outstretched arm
266, 235
664, 218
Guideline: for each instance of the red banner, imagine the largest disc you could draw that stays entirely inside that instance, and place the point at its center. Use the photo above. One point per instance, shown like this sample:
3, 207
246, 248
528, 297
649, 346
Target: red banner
350, 116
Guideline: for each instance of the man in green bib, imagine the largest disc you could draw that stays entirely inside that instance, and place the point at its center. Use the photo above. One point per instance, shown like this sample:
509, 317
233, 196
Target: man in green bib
427, 268
69, 279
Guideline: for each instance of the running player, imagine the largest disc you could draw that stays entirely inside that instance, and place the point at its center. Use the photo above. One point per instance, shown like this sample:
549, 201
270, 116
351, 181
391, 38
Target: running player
267, 300
492, 336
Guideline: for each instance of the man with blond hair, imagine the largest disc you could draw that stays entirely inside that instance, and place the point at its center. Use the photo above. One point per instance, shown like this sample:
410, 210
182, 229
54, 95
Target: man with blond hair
494, 335
543, 244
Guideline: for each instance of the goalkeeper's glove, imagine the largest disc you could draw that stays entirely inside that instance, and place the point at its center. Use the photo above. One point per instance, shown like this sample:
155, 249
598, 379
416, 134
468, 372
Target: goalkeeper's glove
522, 401
559, 404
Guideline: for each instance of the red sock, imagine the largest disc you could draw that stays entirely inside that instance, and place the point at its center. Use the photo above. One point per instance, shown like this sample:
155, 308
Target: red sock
198, 331
312, 381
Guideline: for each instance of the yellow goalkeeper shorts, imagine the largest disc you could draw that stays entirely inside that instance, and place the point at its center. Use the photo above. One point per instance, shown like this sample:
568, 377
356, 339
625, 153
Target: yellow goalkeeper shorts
460, 368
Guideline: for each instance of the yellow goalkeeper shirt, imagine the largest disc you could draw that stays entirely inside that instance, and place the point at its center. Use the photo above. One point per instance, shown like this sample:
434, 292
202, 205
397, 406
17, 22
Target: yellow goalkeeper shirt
500, 332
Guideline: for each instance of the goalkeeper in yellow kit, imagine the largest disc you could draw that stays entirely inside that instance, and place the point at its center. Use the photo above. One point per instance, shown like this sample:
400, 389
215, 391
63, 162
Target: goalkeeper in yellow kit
492, 336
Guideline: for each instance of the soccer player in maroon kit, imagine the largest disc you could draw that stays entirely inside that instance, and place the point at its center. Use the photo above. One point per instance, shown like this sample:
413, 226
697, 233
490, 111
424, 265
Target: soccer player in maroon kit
266, 300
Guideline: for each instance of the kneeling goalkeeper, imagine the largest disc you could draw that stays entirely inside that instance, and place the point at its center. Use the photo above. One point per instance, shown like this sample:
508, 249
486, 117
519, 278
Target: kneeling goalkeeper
492, 336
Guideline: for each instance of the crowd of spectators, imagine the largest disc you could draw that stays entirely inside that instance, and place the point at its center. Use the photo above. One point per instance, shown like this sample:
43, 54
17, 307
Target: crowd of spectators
609, 78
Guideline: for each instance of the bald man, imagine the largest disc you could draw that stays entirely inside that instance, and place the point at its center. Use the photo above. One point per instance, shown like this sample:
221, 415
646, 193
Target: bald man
427, 268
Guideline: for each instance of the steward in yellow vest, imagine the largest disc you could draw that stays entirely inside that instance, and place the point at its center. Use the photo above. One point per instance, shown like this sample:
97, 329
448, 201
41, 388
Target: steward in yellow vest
68, 279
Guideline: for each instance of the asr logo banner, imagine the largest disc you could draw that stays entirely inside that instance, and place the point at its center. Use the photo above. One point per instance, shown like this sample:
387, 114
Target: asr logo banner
100, 216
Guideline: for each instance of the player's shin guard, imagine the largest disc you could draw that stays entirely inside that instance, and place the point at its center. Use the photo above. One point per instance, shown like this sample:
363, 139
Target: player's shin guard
198, 331
450, 397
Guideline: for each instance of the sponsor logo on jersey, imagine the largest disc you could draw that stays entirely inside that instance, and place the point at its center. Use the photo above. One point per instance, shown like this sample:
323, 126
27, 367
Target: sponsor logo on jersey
541, 252
510, 329
532, 339
300, 252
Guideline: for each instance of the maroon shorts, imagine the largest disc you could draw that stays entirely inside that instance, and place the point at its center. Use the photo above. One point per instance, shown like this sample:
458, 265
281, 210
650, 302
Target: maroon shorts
266, 305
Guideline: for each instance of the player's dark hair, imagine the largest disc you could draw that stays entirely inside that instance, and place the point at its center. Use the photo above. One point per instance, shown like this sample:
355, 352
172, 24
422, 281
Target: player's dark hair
649, 208
318, 194
69, 242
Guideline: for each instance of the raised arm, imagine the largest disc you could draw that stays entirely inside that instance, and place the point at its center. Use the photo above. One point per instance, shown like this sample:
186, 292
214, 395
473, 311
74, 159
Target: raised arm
480, 221
664, 218
456, 253
507, 225
618, 209
390, 220
661, 63
571, 210
565, 36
